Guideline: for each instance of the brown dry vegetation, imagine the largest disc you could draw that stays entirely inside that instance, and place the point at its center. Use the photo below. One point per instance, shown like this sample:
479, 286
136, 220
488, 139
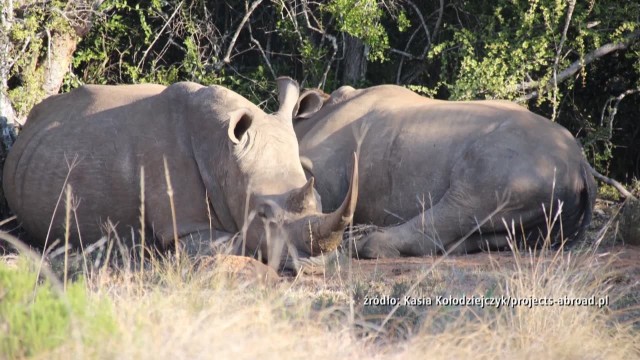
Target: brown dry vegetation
235, 308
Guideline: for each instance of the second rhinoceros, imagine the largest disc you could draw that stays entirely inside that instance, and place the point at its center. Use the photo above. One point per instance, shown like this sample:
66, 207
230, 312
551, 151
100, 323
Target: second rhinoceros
232, 168
434, 171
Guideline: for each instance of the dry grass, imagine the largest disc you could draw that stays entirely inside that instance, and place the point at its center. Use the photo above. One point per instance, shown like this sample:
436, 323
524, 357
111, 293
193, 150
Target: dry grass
207, 316
176, 309
522, 332
183, 311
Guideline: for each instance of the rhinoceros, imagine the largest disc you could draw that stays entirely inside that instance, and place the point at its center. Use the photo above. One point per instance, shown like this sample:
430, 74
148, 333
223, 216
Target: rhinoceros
433, 171
232, 168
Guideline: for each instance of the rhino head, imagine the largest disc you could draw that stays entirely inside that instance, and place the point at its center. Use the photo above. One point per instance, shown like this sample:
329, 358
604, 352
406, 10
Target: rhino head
267, 194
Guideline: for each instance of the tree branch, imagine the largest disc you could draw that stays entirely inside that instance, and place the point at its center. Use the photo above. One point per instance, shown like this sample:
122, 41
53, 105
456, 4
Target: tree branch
405, 54
264, 55
227, 56
430, 38
164, 27
436, 28
621, 189
334, 44
424, 24
406, 51
577, 65
572, 4
612, 113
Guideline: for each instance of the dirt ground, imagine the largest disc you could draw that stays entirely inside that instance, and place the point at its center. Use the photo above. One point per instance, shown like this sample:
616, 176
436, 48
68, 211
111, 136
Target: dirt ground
482, 273
603, 229
623, 258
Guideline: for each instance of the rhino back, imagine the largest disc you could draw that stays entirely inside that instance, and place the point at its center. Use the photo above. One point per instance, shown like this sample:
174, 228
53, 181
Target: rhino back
412, 145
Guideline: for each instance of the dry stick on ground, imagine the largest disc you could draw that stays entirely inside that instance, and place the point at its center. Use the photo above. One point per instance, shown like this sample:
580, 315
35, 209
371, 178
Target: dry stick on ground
208, 204
142, 221
71, 165
8, 220
624, 192
67, 233
173, 208
247, 219
84, 254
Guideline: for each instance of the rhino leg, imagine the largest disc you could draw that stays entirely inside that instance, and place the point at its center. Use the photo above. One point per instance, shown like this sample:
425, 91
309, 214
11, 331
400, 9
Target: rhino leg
480, 242
379, 244
434, 230
386, 244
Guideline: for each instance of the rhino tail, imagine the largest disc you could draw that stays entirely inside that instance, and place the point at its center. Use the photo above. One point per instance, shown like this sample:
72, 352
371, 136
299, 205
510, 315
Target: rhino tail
587, 201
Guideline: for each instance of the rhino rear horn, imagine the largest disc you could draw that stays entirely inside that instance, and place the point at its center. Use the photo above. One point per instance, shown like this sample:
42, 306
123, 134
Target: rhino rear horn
288, 92
299, 200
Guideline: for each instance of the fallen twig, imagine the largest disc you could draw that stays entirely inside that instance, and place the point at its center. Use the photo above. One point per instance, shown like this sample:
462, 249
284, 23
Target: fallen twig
621, 189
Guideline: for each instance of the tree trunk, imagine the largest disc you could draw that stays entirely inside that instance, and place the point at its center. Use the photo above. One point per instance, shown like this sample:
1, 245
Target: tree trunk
6, 22
355, 61
58, 62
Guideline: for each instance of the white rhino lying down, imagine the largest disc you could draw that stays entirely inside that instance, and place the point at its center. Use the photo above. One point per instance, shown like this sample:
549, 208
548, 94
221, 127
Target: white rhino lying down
223, 154
438, 168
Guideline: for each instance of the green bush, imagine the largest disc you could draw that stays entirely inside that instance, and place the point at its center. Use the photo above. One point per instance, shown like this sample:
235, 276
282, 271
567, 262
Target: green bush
36, 317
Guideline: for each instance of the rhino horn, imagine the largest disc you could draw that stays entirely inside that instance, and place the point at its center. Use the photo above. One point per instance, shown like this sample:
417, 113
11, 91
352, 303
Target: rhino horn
298, 200
325, 234
288, 92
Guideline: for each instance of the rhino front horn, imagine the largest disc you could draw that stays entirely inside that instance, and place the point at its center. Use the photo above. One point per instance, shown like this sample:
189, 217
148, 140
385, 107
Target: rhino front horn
325, 234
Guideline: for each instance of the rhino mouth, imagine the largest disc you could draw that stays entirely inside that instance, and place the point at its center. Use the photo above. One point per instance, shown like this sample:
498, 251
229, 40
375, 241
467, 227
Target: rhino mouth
270, 231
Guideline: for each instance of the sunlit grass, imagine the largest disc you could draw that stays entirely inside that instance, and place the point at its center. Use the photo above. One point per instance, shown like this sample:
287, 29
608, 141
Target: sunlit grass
105, 303
180, 310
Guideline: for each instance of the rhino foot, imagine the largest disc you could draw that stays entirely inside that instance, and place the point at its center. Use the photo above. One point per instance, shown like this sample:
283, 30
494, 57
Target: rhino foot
313, 265
375, 245
206, 243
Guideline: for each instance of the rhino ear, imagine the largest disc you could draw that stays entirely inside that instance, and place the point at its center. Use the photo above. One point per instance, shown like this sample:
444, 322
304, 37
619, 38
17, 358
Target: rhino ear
288, 92
309, 103
239, 122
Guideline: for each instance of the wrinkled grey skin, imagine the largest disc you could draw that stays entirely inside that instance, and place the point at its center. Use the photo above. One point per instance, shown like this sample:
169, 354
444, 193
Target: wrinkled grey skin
431, 170
221, 150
